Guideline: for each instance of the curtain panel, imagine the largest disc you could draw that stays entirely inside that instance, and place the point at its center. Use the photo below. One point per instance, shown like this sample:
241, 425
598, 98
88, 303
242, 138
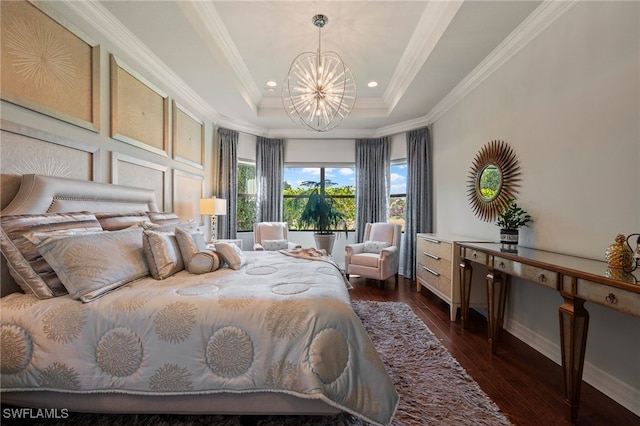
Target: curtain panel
227, 180
372, 182
269, 174
419, 206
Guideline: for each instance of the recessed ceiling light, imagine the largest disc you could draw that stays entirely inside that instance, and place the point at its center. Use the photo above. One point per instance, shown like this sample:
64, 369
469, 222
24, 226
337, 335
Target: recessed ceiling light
372, 84
271, 83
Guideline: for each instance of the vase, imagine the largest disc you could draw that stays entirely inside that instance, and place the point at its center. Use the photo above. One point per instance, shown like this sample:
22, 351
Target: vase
509, 236
325, 241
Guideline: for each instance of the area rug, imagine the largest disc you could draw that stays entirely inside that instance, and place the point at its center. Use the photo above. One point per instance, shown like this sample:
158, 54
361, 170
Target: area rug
434, 389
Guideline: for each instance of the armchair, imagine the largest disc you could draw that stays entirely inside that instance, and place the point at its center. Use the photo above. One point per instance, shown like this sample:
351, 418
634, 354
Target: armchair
378, 257
272, 236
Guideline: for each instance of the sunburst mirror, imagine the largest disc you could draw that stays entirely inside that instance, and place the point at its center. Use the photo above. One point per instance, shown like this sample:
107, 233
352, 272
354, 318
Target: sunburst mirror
493, 179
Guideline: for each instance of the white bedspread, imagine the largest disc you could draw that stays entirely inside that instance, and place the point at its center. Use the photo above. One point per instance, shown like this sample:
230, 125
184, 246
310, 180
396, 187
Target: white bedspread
280, 324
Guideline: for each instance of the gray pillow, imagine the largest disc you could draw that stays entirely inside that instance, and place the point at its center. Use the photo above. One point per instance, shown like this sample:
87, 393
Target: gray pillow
90, 265
189, 242
26, 265
375, 246
162, 253
203, 262
275, 244
231, 254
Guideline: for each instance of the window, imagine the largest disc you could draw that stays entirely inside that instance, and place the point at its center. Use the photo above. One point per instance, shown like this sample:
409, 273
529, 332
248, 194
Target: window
398, 193
340, 185
247, 208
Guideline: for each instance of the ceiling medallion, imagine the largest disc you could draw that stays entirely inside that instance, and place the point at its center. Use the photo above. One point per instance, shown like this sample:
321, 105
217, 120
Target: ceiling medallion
319, 91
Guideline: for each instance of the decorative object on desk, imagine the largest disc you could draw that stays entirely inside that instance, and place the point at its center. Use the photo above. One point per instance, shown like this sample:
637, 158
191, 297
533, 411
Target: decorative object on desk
320, 214
636, 252
510, 220
619, 255
493, 179
621, 275
213, 207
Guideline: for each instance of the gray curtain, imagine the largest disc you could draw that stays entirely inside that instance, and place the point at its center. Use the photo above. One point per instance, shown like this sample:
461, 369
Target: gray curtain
372, 182
227, 180
419, 207
269, 174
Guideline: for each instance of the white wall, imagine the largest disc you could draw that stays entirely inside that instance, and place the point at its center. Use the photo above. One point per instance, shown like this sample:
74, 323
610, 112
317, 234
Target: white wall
569, 105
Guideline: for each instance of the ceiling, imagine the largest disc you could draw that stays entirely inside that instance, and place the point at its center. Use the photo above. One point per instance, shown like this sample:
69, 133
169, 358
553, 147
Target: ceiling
218, 55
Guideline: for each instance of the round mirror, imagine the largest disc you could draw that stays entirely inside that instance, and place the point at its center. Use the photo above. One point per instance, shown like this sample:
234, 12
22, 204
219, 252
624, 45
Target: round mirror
489, 182
493, 179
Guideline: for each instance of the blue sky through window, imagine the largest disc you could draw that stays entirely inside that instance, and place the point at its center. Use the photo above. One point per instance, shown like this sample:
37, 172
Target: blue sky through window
344, 176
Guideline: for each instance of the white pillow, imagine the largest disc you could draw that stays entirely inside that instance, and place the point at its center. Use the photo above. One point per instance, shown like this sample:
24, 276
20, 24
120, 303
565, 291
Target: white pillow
231, 254
275, 244
375, 246
90, 265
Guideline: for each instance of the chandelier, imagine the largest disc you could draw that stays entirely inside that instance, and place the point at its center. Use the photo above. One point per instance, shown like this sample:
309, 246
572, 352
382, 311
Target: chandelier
319, 90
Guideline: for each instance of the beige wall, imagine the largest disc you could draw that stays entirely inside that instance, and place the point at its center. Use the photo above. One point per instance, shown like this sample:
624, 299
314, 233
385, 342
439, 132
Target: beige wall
569, 105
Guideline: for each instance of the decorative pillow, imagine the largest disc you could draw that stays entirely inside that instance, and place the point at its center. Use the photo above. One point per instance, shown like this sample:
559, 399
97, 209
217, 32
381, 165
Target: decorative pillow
118, 221
189, 242
231, 254
26, 265
90, 265
275, 244
162, 253
203, 262
375, 246
164, 218
190, 226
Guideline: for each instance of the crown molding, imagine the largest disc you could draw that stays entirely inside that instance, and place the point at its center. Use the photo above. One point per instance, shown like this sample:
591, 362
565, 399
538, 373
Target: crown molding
103, 21
435, 19
537, 22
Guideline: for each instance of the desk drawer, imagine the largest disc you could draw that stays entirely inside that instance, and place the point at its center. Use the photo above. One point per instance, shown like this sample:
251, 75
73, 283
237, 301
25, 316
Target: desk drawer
475, 256
531, 273
611, 297
434, 247
434, 281
439, 265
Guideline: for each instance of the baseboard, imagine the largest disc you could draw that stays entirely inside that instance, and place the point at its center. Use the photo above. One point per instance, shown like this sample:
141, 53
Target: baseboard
609, 385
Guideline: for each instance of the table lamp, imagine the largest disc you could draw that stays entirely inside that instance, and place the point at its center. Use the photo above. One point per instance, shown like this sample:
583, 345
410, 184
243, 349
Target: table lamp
213, 207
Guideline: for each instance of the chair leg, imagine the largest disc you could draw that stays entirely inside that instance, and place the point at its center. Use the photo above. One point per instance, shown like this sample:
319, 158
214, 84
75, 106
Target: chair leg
396, 280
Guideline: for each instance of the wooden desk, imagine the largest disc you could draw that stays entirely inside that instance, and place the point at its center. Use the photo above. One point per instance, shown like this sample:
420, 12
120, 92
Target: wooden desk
577, 279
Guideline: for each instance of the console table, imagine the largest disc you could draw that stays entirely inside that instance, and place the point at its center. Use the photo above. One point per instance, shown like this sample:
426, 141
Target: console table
577, 279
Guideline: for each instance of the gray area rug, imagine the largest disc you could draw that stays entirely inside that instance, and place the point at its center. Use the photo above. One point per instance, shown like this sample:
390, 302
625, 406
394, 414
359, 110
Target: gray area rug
434, 389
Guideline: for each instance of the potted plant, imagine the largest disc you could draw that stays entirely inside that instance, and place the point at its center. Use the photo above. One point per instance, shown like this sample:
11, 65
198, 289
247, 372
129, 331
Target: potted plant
321, 214
510, 220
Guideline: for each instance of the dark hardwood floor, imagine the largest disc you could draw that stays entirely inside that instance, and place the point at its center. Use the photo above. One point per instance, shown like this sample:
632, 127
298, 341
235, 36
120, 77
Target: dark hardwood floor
526, 385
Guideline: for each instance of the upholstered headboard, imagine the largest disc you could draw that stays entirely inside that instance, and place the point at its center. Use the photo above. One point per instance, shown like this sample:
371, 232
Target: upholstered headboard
43, 194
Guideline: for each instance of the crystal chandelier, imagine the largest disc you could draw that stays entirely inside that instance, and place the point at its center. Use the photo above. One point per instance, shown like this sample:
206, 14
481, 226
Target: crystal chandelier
319, 90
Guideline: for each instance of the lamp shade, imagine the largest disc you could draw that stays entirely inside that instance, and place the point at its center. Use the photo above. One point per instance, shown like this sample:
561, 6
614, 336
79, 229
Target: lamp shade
207, 206
220, 206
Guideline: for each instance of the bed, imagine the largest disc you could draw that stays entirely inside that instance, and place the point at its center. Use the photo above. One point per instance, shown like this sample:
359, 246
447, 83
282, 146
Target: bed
274, 334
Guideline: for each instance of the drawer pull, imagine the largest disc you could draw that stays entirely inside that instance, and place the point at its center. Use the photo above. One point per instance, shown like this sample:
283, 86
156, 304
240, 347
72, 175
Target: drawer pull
611, 298
475, 255
431, 240
431, 271
542, 278
501, 265
433, 256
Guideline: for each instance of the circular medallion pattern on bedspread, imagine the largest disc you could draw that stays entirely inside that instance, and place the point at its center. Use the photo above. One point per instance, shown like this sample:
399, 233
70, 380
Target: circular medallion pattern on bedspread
261, 270
175, 321
290, 288
329, 355
64, 323
286, 318
170, 378
229, 352
59, 376
119, 352
16, 349
198, 290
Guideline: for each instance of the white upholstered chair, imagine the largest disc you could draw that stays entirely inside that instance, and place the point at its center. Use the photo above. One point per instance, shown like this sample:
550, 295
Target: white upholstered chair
272, 236
378, 256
